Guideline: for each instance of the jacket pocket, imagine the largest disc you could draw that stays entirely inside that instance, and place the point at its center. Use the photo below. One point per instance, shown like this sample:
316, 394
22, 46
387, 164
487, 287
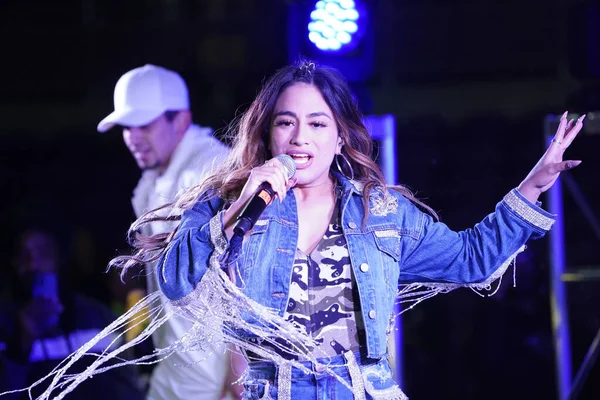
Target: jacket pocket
253, 243
388, 241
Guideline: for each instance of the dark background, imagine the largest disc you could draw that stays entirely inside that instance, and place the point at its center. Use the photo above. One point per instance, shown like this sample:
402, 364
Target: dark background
468, 81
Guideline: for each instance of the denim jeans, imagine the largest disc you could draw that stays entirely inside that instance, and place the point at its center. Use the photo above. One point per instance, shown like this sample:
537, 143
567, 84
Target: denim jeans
375, 380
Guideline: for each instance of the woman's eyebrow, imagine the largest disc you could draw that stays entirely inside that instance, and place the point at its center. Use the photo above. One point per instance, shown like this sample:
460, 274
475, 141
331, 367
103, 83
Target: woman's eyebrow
311, 115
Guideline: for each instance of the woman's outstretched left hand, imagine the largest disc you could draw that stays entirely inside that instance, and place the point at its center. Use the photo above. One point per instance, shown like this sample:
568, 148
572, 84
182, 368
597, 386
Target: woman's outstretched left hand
548, 168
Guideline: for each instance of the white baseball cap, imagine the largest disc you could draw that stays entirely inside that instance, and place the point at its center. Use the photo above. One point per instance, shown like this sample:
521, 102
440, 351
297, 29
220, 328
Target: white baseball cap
143, 94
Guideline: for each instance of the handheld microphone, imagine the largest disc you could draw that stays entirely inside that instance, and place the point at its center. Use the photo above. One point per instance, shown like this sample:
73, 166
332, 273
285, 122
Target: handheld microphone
261, 199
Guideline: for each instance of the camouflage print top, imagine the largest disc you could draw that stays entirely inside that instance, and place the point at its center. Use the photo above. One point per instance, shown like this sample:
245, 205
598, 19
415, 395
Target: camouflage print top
323, 301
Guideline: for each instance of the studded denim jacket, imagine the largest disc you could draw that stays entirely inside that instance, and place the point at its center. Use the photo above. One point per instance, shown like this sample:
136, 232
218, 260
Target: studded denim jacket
398, 245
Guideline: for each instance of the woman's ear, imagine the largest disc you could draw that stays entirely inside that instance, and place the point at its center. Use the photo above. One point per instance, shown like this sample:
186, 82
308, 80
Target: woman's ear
340, 144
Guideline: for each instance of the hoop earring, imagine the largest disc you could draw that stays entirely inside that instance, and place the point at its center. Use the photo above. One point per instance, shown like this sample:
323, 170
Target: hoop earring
337, 163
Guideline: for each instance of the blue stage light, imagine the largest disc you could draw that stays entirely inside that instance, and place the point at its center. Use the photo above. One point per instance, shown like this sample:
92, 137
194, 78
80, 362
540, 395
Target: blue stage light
340, 35
335, 25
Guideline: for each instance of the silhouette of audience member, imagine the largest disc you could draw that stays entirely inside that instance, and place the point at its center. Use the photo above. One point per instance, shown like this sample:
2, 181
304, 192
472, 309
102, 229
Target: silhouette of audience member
42, 321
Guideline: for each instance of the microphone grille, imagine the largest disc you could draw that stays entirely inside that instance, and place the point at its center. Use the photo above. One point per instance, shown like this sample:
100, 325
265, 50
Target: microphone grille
288, 163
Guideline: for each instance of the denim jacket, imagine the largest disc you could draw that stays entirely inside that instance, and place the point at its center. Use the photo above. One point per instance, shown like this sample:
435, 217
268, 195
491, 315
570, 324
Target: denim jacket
399, 244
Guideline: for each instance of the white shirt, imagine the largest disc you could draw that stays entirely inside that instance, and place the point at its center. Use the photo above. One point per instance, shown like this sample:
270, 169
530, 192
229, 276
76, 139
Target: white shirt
189, 375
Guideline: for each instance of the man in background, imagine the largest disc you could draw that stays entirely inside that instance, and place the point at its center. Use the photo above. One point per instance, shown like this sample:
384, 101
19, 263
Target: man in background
152, 108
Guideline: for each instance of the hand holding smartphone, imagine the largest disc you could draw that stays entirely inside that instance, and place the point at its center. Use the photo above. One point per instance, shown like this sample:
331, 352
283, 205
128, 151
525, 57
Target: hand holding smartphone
44, 285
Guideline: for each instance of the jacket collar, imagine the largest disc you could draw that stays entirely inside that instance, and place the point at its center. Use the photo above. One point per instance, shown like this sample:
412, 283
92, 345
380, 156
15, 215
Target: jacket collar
348, 186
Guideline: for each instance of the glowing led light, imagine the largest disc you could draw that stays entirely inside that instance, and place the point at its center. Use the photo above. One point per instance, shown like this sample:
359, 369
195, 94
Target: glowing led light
334, 24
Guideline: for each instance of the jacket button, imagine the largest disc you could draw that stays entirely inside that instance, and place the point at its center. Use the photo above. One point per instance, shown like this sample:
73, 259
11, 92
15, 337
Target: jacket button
372, 314
364, 267
352, 225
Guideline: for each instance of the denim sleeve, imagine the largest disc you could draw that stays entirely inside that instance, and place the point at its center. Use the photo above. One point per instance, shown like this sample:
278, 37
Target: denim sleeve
474, 255
187, 256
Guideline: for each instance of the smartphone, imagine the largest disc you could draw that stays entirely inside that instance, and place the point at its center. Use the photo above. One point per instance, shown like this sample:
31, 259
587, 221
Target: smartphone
44, 284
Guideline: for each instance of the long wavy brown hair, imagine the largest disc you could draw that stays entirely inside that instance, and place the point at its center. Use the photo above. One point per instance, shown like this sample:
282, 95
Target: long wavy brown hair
249, 133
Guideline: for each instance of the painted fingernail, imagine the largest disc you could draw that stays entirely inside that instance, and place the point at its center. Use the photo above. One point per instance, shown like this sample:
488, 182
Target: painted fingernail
564, 115
581, 118
569, 165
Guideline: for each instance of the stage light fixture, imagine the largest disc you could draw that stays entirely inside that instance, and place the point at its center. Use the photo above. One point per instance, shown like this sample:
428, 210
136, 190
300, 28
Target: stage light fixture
337, 33
336, 25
